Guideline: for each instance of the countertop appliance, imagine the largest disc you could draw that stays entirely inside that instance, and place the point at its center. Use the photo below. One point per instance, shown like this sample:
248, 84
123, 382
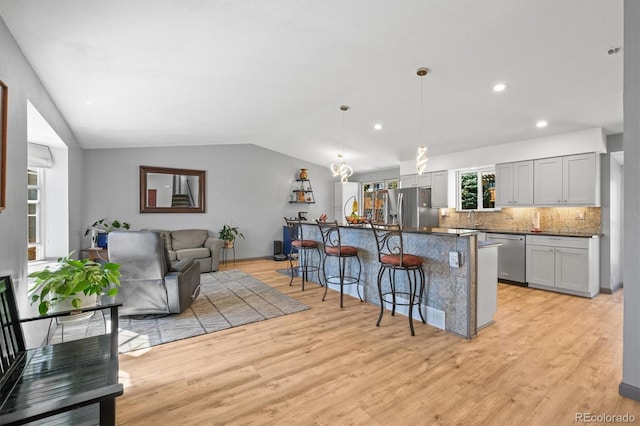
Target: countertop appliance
410, 207
511, 258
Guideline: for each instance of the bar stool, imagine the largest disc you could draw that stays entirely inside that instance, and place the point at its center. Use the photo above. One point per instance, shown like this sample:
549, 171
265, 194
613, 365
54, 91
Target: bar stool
303, 248
392, 258
333, 247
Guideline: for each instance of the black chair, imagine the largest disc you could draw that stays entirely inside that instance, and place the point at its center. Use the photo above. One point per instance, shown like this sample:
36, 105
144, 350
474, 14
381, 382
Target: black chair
392, 258
301, 250
333, 247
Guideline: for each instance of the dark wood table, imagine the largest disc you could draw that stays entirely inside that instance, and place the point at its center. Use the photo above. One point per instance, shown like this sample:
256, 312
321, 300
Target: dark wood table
74, 382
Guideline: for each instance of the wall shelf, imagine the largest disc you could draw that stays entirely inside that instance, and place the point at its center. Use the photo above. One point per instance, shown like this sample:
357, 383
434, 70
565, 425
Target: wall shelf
303, 194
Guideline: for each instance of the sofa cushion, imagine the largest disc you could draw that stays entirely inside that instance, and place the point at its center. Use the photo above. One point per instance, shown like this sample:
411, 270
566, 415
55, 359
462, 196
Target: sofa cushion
188, 238
173, 255
193, 253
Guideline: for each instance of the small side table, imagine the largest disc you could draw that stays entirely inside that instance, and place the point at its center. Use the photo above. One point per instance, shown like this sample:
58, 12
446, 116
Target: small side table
224, 254
97, 253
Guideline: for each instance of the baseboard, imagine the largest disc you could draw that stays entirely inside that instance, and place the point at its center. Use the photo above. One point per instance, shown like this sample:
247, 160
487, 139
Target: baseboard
629, 391
611, 290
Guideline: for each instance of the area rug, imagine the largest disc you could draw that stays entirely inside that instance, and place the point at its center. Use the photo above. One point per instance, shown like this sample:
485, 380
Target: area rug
227, 299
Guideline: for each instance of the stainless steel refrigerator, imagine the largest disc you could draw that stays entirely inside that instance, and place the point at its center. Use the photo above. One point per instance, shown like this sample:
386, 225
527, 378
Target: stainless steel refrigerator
411, 207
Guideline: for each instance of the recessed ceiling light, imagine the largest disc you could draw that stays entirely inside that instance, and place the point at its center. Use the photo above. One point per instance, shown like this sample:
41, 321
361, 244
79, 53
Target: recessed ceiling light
541, 124
377, 126
500, 87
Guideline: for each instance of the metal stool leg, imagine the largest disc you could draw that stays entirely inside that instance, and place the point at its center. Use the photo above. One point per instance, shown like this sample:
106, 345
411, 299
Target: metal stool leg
324, 274
358, 282
380, 277
421, 292
412, 293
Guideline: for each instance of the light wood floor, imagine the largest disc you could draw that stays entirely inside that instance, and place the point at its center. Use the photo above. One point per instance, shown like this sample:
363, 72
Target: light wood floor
547, 357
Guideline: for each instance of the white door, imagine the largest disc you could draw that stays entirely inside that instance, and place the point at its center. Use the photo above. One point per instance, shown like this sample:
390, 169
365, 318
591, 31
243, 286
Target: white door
540, 265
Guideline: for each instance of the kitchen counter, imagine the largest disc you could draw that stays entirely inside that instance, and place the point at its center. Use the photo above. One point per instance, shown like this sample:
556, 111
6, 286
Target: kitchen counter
456, 232
545, 233
450, 293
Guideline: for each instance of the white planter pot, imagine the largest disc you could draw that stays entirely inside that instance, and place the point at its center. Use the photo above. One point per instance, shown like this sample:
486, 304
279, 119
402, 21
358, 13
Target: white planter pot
65, 305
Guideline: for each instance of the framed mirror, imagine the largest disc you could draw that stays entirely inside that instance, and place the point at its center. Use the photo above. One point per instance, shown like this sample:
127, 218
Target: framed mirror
166, 190
4, 103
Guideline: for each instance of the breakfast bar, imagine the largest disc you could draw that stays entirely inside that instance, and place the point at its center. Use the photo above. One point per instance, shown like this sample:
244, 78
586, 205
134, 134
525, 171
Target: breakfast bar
450, 296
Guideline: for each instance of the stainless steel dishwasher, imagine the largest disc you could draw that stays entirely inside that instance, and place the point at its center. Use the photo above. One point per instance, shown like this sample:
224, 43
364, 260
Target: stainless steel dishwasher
511, 258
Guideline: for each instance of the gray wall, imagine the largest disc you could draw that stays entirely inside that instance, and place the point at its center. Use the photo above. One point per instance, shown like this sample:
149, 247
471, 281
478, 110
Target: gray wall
611, 249
23, 84
245, 184
630, 385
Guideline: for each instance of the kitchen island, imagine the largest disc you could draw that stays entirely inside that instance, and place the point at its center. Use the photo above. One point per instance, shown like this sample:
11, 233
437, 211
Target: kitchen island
450, 298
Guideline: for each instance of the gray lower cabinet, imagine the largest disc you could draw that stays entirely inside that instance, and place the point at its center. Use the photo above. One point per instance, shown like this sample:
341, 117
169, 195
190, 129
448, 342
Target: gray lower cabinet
564, 264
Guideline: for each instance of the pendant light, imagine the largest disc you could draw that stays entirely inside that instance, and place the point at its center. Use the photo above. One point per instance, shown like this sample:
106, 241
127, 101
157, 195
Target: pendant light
421, 159
342, 169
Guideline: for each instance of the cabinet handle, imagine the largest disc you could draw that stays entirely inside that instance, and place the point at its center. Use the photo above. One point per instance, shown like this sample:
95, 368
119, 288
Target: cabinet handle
559, 201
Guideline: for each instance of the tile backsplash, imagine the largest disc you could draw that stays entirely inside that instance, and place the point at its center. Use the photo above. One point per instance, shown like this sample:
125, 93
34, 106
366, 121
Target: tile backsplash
552, 219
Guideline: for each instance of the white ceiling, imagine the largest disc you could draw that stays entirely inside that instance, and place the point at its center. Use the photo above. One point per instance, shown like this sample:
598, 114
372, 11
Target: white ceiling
274, 73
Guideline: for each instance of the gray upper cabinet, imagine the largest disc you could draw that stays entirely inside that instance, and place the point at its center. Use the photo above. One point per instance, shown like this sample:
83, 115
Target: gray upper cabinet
425, 179
547, 188
439, 189
570, 180
579, 179
410, 181
514, 184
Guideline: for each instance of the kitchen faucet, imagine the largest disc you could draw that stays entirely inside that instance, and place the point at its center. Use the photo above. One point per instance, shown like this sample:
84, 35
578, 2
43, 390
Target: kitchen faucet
472, 216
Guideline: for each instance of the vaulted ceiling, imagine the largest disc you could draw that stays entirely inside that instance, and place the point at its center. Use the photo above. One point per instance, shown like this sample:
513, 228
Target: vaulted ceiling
131, 73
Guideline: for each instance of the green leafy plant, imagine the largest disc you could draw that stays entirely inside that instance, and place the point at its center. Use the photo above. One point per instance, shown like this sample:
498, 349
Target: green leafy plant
69, 278
106, 226
229, 233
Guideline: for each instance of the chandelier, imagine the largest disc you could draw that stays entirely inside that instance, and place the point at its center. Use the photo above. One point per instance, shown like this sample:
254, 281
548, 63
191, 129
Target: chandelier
421, 159
342, 169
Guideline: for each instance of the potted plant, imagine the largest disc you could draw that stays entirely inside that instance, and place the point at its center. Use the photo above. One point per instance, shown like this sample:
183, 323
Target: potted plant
228, 234
70, 281
100, 230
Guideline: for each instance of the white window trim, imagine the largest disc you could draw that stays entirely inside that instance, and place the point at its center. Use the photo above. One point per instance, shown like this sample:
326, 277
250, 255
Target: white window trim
479, 171
39, 244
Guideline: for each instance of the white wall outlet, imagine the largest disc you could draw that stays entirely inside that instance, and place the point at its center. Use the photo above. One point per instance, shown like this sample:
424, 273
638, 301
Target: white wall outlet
454, 259
580, 216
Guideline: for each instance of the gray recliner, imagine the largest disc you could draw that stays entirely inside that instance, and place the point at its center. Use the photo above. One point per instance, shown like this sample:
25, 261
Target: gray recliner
148, 282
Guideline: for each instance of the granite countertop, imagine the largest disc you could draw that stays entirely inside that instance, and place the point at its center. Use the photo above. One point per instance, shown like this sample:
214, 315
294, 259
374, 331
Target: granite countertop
544, 233
412, 230
462, 232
